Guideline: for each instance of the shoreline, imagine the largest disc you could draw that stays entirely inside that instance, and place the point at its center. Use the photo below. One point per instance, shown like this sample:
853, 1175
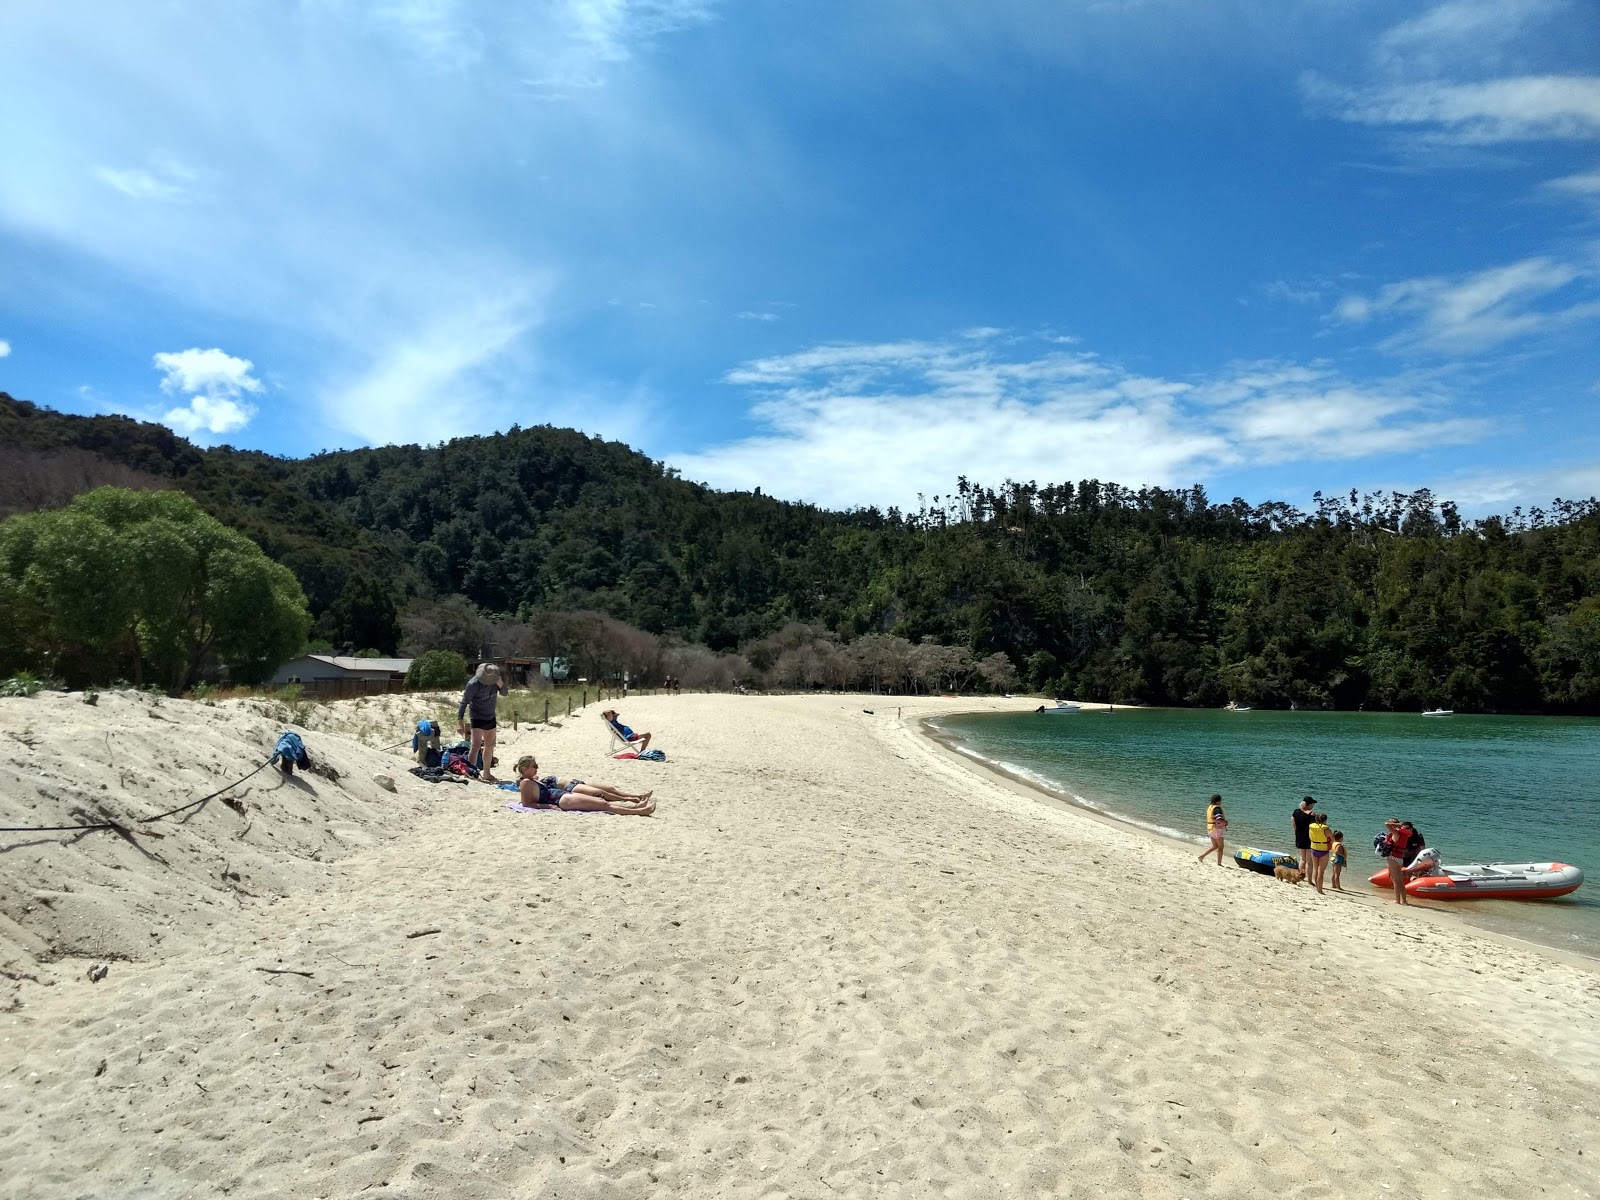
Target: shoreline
1438, 914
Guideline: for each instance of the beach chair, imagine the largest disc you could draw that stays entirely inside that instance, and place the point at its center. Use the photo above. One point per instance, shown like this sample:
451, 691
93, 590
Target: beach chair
622, 741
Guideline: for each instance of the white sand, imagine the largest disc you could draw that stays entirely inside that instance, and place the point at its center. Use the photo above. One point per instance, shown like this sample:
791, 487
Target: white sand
837, 962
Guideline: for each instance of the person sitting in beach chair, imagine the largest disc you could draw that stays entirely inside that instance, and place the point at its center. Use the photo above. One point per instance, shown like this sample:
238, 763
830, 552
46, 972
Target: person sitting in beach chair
638, 743
577, 796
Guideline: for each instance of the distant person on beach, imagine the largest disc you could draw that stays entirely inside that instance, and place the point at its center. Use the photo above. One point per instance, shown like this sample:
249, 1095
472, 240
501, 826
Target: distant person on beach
1318, 832
1301, 818
1216, 828
578, 797
1336, 855
1394, 846
482, 694
625, 733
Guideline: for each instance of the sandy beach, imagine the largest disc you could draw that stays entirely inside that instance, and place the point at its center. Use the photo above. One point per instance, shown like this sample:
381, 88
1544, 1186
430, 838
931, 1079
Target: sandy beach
838, 961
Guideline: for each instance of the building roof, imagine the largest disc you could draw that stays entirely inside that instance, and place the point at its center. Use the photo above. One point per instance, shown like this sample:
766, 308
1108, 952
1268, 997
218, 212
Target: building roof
394, 666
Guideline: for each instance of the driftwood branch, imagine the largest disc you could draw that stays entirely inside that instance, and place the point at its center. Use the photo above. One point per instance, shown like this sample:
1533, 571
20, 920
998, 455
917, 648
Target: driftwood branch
275, 971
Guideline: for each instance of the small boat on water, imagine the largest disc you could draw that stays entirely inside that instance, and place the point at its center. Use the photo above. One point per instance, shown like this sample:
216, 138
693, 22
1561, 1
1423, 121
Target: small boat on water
1493, 881
1230, 706
1060, 706
1438, 712
1263, 862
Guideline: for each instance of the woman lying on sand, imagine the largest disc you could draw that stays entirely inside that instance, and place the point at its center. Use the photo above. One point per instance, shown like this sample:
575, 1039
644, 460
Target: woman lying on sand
574, 795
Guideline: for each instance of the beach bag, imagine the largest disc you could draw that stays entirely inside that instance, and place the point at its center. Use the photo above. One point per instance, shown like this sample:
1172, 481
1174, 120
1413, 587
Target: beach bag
653, 755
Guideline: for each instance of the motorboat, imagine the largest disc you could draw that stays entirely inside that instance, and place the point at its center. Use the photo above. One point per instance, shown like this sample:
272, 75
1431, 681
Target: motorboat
1230, 706
1263, 862
1438, 712
1492, 881
1060, 706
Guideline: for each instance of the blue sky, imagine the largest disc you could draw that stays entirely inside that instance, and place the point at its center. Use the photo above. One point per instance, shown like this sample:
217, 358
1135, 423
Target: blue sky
843, 251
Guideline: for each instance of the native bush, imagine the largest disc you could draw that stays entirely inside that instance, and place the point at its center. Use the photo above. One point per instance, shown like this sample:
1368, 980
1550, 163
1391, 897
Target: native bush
437, 669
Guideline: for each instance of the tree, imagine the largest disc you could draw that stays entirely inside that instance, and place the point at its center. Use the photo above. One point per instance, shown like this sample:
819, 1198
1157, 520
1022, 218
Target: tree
362, 615
146, 583
437, 669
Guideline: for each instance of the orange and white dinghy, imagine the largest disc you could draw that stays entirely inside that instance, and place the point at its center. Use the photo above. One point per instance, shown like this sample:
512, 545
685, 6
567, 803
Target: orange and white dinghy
1493, 881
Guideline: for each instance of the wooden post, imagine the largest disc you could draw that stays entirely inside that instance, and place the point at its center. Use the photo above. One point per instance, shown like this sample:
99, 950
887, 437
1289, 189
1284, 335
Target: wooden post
569, 706
585, 703
547, 710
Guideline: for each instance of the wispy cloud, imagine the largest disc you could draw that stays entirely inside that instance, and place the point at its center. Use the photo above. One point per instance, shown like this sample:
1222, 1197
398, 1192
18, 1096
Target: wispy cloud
5, 348
1471, 35
1526, 108
752, 315
879, 423
327, 217
1468, 314
167, 181
1585, 184
1498, 489
438, 378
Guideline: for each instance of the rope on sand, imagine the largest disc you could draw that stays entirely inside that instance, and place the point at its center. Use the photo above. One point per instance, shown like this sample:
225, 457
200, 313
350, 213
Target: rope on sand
121, 828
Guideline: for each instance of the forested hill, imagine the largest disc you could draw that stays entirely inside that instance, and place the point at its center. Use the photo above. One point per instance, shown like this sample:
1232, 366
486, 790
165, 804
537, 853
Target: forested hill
1152, 596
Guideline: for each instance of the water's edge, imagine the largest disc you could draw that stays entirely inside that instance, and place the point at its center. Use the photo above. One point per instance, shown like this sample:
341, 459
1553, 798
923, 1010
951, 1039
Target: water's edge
1053, 792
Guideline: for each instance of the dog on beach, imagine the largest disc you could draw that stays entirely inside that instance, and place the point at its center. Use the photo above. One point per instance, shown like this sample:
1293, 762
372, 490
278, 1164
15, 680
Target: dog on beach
1288, 874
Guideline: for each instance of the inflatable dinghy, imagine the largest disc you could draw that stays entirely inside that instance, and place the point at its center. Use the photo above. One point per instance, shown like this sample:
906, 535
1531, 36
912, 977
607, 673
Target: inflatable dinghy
1263, 862
1492, 881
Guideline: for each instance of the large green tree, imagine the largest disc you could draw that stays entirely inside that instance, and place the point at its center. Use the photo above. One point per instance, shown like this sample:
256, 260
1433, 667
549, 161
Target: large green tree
143, 585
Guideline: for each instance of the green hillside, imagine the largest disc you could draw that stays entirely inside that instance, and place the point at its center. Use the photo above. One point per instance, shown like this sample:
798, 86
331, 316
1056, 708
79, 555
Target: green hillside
1150, 596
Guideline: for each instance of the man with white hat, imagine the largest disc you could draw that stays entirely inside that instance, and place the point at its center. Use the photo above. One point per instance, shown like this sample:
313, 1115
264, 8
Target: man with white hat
483, 692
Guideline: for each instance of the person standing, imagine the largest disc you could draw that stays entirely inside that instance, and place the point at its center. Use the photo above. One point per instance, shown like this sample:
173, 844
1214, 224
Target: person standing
1216, 828
1394, 846
1301, 817
482, 694
1319, 849
1336, 857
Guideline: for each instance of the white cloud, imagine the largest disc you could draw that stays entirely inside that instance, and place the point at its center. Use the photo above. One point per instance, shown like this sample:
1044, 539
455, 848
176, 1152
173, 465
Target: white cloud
430, 383
208, 415
215, 383
1459, 34
345, 216
1466, 314
1498, 490
167, 181
209, 371
1525, 108
751, 315
5, 348
880, 423
1585, 184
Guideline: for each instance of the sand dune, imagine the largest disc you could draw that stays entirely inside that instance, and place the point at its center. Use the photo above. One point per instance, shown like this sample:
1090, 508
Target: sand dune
837, 963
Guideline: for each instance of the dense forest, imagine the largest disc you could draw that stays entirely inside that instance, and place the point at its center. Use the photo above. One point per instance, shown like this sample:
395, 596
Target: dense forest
1147, 596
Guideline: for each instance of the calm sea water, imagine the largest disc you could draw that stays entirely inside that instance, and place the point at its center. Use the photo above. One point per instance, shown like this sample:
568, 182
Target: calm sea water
1482, 789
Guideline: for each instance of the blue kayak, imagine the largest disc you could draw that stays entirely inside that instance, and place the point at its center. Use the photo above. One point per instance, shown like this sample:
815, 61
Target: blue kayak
1263, 861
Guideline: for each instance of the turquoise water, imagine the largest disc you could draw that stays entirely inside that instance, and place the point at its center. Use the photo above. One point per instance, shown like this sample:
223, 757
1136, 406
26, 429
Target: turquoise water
1482, 789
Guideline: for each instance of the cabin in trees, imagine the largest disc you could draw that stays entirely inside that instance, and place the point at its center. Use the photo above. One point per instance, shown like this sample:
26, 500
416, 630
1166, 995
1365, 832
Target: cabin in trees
336, 676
